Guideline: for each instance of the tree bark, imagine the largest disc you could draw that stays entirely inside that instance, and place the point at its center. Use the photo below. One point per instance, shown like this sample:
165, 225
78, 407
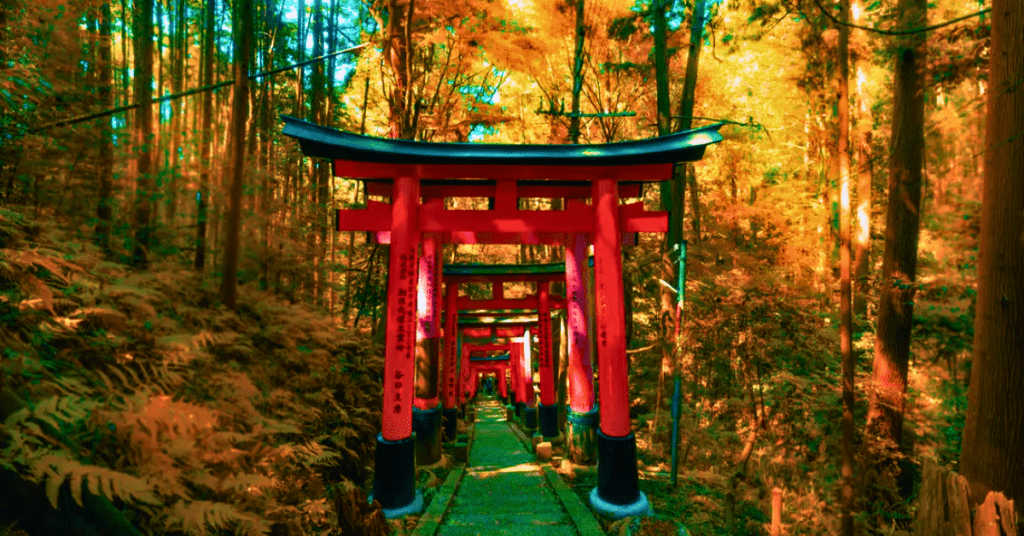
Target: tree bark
862, 240
398, 51
845, 293
902, 227
318, 232
143, 131
179, 50
203, 194
991, 459
239, 117
104, 208
577, 73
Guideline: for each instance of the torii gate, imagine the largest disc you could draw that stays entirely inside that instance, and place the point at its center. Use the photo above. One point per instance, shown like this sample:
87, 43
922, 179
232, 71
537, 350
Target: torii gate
542, 302
508, 171
516, 341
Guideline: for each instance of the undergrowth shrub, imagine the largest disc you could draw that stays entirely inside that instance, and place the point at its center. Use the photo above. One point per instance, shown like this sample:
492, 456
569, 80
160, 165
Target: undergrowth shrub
191, 418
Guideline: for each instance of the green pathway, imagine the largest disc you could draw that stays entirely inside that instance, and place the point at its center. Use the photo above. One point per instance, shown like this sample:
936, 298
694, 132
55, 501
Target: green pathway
503, 491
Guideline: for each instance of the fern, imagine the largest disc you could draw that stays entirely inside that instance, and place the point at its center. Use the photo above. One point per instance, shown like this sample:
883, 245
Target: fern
196, 518
55, 469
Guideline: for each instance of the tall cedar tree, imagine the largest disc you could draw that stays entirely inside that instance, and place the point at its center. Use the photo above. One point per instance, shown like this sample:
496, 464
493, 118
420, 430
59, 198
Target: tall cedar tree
994, 432
845, 297
902, 227
104, 68
203, 195
673, 194
577, 73
143, 131
398, 51
239, 118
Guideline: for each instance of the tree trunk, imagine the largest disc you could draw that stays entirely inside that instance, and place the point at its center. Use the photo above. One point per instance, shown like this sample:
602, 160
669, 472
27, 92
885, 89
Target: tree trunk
104, 209
203, 194
239, 118
398, 51
179, 51
673, 194
577, 74
994, 429
845, 293
143, 131
862, 240
691, 178
902, 227
322, 175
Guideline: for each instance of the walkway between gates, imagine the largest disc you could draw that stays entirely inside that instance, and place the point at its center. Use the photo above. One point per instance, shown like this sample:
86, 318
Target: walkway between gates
504, 491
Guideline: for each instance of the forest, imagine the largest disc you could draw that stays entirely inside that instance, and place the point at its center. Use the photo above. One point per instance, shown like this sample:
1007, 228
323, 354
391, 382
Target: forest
189, 348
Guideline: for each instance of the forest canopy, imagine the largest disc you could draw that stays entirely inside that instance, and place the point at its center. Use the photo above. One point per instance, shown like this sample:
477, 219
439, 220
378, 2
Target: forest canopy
853, 300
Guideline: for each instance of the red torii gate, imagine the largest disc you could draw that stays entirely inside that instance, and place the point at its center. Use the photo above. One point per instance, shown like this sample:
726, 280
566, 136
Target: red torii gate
542, 302
602, 168
516, 327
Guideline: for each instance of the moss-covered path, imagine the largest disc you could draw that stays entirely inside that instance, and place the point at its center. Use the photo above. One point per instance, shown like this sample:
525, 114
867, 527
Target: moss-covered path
504, 490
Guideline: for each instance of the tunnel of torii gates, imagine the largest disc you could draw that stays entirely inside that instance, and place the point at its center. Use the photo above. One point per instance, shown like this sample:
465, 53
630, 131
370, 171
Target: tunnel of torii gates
541, 303
418, 176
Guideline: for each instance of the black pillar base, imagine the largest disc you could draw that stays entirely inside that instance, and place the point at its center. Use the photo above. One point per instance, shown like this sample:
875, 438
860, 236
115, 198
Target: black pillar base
548, 420
618, 492
530, 418
427, 426
450, 421
519, 410
395, 476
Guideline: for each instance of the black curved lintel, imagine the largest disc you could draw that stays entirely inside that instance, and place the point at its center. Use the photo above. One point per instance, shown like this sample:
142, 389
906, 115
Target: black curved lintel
323, 142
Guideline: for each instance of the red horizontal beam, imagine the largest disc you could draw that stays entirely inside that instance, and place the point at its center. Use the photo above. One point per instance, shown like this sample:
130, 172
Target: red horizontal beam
485, 347
376, 217
488, 332
488, 189
498, 304
378, 170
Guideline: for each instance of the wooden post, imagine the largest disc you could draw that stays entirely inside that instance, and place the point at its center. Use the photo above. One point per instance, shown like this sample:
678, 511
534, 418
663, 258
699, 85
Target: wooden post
581, 426
548, 411
394, 476
611, 316
427, 409
449, 370
776, 512
617, 494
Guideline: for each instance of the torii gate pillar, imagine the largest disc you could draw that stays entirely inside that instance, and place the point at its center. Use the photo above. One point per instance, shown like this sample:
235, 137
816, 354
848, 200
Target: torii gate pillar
548, 410
582, 417
426, 412
617, 494
450, 373
395, 459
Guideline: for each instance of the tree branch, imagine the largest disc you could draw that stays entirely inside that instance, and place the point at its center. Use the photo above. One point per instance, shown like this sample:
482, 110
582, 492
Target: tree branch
899, 32
119, 109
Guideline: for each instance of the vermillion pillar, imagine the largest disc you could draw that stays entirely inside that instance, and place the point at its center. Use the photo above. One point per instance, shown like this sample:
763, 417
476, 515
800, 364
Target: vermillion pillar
617, 494
426, 414
395, 460
499, 379
516, 377
530, 398
548, 410
449, 370
582, 415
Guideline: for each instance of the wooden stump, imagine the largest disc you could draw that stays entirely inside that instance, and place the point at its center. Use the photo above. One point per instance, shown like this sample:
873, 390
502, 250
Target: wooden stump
944, 508
357, 516
995, 517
